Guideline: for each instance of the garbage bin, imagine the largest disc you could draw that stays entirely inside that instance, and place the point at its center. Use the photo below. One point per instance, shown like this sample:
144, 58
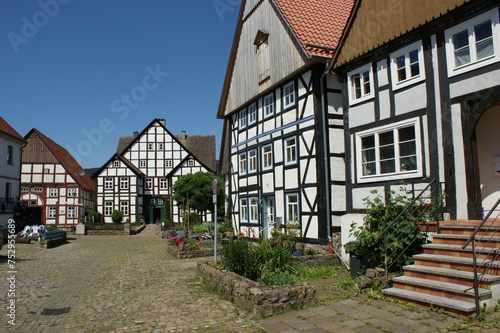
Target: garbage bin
356, 261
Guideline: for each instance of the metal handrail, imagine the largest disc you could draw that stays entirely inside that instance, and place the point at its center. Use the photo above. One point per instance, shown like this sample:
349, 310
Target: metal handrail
472, 239
404, 211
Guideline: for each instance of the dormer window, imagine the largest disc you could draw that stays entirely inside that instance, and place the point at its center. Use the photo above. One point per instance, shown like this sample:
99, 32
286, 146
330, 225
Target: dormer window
264, 64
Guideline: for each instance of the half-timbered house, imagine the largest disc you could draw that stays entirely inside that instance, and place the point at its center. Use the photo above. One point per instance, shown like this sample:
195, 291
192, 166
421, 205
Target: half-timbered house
138, 178
421, 82
283, 146
54, 187
11, 143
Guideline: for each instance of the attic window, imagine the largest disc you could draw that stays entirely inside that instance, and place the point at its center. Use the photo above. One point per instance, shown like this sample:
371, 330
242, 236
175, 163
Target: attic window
263, 58
260, 38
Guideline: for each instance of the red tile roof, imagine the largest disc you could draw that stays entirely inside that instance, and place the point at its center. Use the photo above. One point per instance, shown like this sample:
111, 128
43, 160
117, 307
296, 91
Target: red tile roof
7, 129
67, 161
318, 24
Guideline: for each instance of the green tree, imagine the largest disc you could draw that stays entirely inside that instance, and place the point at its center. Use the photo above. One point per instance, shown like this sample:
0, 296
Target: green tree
117, 216
195, 190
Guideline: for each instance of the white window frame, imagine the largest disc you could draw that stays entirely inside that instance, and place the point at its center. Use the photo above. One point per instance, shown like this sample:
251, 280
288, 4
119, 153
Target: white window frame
108, 183
252, 114
242, 163
160, 146
53, 192
268, 105
190, 162
52, 212
70, 212
116, 164
143, 164
168, 164
399, 173
244, 210
163, 184
469, 25
150, 146
292, 206
405, 52
252, 161
72, 192
242, 119
108, 208
149, 183
253, 210
124, 207
267, 157
351, 81
289, 149
124, 183
289, 95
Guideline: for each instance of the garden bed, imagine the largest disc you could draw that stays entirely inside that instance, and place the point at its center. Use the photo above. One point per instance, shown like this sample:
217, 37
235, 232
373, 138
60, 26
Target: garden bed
185, 251
257, 299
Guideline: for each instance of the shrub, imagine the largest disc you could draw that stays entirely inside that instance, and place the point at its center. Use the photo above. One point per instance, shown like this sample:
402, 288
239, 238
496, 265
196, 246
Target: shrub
117, 216
240, 257
406, 238
192, 217
96, 215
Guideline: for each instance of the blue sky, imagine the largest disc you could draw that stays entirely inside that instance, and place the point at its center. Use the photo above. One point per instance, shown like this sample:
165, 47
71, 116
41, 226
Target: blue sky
85, 72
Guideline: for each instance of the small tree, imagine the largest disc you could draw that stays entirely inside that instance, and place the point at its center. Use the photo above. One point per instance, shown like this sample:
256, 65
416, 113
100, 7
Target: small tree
96, 215
117, 216
195, 190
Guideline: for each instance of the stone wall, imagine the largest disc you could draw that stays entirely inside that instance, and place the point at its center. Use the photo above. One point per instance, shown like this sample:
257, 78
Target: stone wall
319, 259
184, 251
107, 232
257, 299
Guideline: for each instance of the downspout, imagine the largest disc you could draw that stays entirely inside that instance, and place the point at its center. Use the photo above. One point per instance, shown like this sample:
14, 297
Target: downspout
326, 159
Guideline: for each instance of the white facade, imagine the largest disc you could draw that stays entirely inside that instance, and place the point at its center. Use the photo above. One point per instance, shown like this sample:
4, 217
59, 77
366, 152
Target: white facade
139, 180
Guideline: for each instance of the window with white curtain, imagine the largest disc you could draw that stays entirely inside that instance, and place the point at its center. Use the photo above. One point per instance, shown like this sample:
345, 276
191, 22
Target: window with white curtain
389, 152
474, 43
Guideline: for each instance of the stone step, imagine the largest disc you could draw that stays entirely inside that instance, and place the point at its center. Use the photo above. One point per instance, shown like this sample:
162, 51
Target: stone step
458, 263
439, 288
450, 275
458, 251
428, 301
461, 239
469, 230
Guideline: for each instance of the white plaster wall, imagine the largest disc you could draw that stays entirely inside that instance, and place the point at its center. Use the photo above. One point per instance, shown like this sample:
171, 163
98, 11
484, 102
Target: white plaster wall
488, 140
361, 115
412, 99
384, 104
345, 223
460, 177
358, 194
475, 83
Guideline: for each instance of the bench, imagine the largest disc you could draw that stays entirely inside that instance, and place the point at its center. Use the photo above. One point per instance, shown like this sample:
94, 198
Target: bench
53, 238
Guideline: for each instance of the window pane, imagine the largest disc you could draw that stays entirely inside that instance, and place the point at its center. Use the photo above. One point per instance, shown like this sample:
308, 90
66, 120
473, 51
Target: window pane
386, 138
461, 45
368, 155
407, 133
414, 65
356, 86
400, 61
483, 31
387, 166
366, 83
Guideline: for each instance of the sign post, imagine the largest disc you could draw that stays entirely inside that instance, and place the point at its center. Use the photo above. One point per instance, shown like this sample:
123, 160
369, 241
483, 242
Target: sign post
214, 191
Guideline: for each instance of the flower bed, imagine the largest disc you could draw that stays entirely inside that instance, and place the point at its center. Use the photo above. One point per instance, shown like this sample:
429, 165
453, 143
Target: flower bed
185, 251
257, 299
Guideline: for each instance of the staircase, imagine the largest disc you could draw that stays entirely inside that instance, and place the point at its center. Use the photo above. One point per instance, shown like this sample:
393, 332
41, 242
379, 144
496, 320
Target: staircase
443, 276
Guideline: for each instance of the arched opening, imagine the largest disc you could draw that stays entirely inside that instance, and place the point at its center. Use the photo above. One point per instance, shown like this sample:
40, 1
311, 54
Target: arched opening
488, 155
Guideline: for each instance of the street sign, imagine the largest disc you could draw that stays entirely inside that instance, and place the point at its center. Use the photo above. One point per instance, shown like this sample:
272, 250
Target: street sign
214, 186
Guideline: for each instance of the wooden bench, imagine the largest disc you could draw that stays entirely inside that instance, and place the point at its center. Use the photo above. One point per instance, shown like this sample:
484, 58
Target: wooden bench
53, 238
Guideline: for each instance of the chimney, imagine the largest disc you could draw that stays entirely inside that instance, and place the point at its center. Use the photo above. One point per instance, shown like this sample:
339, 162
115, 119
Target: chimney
136, 134
162, 121
183, 137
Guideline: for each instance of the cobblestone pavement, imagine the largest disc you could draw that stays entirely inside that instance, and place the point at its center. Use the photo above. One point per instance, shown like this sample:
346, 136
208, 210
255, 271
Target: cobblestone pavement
112, 284
131, 284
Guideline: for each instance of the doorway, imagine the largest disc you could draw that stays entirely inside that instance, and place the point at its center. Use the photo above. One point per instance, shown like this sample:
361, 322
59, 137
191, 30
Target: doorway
268, 216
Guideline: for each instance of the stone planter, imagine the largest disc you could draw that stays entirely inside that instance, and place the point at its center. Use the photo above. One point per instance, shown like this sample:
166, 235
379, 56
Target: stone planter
184, 251
257, 299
